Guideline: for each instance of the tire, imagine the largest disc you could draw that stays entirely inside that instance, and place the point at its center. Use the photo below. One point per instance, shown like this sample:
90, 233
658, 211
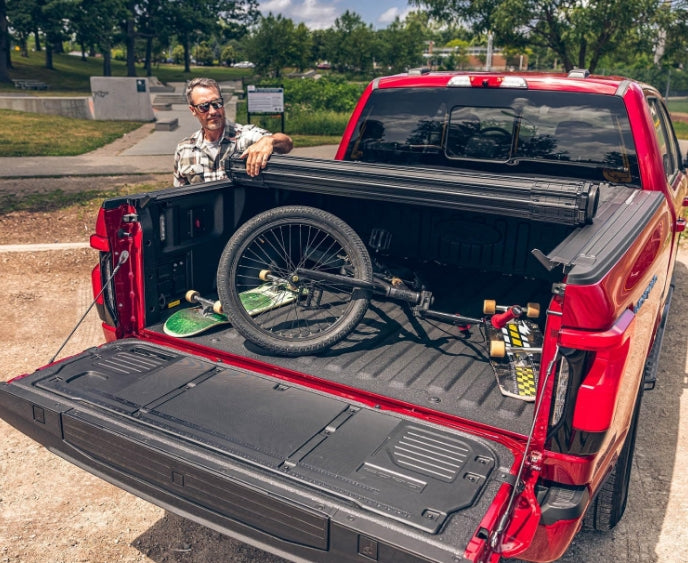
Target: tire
316, 314
607, 508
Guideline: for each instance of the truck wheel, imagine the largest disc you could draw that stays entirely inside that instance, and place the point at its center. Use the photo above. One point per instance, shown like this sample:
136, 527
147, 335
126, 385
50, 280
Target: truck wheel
292, 314
607, 508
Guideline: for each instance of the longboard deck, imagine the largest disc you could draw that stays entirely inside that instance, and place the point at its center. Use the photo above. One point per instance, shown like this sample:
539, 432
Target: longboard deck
517, 373
196, 320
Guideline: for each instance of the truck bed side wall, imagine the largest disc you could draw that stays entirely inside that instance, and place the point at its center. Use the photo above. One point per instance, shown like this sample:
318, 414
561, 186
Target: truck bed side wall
184, 236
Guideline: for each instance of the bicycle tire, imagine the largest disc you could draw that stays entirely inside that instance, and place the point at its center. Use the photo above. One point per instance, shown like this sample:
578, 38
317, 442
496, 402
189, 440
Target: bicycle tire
314, 314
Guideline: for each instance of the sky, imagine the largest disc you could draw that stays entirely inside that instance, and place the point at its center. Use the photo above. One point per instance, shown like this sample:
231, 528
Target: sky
320, 14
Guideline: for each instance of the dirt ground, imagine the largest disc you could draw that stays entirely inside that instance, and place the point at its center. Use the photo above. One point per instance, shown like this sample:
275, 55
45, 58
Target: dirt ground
50, 511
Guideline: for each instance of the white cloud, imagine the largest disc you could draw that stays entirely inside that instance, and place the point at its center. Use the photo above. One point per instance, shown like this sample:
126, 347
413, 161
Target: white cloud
313, 13
388, 16
316, 15
275, 6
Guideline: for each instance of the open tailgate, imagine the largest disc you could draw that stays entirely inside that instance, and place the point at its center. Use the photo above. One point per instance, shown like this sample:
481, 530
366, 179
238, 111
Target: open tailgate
294, 470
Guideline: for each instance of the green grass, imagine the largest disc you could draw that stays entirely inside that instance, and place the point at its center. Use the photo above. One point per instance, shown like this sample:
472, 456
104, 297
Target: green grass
72, 76
681, 129
679, 105
315, 140
89, 200
34, 134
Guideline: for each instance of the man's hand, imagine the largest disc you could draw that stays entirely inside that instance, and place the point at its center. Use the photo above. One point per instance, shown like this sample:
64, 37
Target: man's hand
258, 153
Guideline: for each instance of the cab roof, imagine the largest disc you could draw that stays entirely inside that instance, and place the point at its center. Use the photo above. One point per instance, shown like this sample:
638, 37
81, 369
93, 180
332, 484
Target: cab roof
577, 81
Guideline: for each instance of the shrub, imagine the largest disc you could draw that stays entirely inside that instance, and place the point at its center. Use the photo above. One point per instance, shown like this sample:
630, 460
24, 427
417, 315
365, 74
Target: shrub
300, 121
203, 55
317, 123
327, 93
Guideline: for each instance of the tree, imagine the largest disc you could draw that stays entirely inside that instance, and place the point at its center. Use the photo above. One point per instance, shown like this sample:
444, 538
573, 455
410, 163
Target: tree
401, 45
272, 46
129, 32
99, 23
151, 24
302, 48
580, 33
673, 44
203, 54
21, 16
199, 19
351, 44
4, 44
54, 17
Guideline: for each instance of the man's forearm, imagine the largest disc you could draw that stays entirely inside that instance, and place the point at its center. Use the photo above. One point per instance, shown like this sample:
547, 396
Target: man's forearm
282, 143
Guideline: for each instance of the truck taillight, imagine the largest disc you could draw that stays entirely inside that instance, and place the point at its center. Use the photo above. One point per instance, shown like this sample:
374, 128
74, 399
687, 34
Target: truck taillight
99, 240
560, 391
97, 285
103, 289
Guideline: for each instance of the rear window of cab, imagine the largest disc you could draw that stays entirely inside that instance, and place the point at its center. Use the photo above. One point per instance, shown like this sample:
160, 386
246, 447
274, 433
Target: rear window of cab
559, 134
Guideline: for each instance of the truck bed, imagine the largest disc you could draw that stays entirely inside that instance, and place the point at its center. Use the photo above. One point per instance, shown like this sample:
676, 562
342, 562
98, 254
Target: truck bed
417, 361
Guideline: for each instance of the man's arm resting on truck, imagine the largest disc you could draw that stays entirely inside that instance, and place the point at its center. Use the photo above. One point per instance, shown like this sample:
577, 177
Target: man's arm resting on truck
258, 153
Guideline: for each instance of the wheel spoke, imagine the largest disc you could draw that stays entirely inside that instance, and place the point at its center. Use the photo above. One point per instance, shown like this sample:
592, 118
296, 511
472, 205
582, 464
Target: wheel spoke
306, 314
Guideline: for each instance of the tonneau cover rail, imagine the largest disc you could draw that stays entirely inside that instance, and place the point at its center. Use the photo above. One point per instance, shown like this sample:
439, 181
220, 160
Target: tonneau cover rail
568, 202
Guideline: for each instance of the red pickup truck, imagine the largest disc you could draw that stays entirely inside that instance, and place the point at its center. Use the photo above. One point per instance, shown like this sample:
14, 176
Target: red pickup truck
433, 348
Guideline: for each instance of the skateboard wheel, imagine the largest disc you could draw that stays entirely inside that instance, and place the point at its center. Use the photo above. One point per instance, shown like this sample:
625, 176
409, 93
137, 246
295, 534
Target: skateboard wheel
533, 310
191, 295
497, 349
489, 307
217, 308
264, 275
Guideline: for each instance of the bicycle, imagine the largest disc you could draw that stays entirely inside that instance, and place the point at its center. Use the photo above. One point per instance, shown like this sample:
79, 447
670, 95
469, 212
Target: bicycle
323, 278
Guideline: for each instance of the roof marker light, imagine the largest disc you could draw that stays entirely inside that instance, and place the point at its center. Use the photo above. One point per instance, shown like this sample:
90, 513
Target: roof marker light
463, 81
514, 82
579, 73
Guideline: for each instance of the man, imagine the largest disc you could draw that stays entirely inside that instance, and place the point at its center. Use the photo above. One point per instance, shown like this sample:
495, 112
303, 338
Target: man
201, 157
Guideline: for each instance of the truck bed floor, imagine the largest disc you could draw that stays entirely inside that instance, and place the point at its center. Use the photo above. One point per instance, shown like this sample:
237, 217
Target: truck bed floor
422, 362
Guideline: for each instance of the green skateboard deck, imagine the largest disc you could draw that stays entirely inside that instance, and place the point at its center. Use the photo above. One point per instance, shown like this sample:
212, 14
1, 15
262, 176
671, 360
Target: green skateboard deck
192, 321
266, 297
517, 372
196, 320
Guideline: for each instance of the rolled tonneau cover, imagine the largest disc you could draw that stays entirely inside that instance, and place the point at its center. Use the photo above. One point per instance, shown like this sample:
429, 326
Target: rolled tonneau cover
569, 202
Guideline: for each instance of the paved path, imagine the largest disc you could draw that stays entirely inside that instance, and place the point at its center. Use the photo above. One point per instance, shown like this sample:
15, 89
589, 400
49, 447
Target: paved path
44, 247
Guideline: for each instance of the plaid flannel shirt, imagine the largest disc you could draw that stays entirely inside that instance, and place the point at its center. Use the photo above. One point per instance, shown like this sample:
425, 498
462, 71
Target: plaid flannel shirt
193, 164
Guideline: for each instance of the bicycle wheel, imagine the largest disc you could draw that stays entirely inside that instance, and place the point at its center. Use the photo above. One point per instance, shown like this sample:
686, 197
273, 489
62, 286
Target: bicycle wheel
270, 280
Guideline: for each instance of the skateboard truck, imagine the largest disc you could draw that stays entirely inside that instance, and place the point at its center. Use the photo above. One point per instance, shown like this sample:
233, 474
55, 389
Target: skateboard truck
496, 320
499, 348
208, 305
499, 320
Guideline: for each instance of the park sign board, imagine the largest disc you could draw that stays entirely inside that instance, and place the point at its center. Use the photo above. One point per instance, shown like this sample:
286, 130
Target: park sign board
265, 100
268, 100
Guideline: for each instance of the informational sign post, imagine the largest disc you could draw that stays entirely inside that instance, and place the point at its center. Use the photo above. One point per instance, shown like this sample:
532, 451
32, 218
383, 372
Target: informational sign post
265, 101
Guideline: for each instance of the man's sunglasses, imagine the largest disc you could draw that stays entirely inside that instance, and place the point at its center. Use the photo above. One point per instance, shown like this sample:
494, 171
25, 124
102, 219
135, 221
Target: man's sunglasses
205, 106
